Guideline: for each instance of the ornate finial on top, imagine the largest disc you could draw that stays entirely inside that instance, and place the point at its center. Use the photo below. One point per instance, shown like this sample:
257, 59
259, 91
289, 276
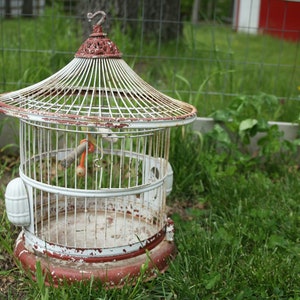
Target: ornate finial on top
98, 45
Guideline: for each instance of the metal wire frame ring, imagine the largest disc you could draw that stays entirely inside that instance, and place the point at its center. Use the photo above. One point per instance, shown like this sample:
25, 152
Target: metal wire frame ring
90, 16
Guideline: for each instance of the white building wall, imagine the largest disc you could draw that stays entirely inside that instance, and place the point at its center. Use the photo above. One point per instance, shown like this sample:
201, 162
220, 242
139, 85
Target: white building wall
246, 16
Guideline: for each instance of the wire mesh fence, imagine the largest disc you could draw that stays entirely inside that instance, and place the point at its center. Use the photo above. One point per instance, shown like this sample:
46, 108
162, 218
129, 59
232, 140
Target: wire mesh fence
204, 52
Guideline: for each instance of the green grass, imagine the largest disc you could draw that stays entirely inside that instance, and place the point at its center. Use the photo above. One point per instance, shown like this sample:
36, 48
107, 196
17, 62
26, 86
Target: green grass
243, 245
32, 49
217, 63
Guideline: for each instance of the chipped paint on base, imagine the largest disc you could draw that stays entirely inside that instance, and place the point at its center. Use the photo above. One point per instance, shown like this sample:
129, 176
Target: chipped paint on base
111, 274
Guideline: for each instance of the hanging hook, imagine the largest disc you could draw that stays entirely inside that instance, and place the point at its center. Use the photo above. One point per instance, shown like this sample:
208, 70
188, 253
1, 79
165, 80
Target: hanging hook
90, 16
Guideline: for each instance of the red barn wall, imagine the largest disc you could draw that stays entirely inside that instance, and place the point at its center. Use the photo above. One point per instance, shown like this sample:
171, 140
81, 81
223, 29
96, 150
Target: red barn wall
280, 18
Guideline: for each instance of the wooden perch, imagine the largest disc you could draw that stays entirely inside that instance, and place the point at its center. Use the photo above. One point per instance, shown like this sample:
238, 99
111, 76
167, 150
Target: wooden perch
67, 161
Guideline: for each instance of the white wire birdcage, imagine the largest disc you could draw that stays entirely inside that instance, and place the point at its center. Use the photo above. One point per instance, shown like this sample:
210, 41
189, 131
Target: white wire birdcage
94, 171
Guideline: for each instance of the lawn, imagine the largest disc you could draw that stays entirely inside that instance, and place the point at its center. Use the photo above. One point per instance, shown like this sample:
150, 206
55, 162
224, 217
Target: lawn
236, 213
238, 239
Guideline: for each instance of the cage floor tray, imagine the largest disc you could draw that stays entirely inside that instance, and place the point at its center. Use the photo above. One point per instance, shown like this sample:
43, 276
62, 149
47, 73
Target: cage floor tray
96, 229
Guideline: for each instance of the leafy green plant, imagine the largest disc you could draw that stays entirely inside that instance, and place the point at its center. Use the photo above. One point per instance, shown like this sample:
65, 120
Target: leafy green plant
245, 118
242, 140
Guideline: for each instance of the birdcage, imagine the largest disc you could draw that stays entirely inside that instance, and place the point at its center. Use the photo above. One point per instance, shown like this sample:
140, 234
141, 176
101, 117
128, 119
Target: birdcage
94, 169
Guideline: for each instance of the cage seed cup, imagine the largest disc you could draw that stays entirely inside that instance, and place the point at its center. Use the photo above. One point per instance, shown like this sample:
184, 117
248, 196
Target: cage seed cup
94, 169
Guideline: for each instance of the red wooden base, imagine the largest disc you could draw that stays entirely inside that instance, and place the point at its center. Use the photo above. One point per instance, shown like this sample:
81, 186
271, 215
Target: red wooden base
111, 274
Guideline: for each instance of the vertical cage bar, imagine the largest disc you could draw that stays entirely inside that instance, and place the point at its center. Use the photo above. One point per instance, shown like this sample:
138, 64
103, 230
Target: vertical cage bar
105, 226
65, 237
36, 216
31, 150
115, 219
86, 212
56, 151
57, 229
130, 160
111, 166
75, 230
95, 223
49, 216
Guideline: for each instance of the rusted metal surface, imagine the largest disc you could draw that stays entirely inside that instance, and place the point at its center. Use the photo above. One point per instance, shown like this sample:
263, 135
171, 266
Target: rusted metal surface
101, 91
93, 255
111, 274
98, 45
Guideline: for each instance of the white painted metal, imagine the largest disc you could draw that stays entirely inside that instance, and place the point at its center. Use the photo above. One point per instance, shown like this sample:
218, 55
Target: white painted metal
17, 203
97, 92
